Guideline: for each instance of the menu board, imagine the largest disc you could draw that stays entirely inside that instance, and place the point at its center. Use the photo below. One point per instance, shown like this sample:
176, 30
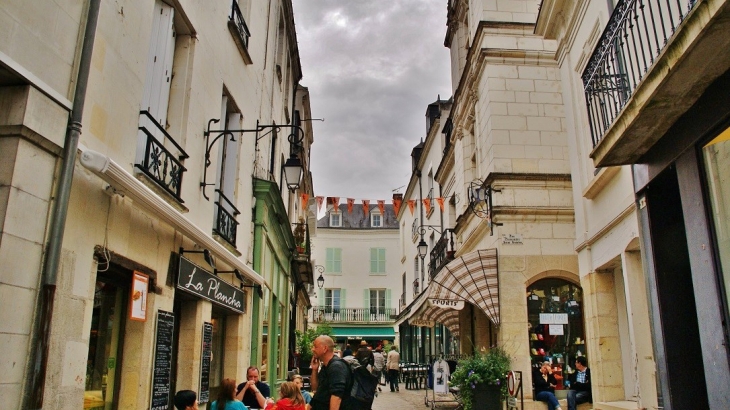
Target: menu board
206, 355
162, 365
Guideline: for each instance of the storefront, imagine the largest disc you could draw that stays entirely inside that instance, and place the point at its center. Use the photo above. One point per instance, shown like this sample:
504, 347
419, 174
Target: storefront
555, 326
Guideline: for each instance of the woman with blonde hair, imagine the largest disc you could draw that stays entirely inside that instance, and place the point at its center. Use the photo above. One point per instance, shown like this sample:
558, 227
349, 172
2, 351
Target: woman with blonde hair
291, 398
227, 397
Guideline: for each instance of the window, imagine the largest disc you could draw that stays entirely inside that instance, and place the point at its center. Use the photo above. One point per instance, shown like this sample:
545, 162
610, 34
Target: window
228, 159
377, 260
378, 304
334, 260
332, 300
335, 219
376, 220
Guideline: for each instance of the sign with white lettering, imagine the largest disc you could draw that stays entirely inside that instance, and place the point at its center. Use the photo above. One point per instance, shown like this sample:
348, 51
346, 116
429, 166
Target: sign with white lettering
446, 303
421, 322
553, 318
555, 330
199, 282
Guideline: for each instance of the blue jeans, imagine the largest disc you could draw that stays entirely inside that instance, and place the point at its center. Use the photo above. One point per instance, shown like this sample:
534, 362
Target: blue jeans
549, 398
577, 397
393, 379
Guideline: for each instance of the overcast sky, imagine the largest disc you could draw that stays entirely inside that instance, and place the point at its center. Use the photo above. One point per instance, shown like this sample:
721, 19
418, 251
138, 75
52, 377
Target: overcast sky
372, 67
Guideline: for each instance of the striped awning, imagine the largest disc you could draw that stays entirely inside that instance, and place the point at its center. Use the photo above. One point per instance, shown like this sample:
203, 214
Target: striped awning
472, 277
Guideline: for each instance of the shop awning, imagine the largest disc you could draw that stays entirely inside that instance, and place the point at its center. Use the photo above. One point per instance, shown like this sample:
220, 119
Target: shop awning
472, 278
364, 332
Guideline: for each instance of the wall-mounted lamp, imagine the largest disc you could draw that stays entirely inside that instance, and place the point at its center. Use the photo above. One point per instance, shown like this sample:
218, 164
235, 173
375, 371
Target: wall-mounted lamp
209, 259
422, 245
480, 202
320, 279
422, 249
259, 289
236, 272
293, 171
295, 138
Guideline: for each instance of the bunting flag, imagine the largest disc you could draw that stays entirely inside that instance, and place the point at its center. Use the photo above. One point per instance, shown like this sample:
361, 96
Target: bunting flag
350, 203
427, 204
366, 206
320, 201
335, 201
381, 206
305, 199
440, 201
396, 205
411, 205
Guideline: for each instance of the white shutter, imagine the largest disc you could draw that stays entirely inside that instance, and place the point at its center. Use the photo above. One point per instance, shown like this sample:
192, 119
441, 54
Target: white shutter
230, 163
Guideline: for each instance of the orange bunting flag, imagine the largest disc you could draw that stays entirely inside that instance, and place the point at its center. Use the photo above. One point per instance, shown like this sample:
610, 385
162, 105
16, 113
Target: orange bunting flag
427, 204
365, 206
320, 201
440, 201
350, 203
411, 205
305, 199
396, 205
335, 201
381, 206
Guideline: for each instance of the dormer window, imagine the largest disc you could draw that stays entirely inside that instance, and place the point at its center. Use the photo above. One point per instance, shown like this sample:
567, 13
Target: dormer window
376, 220
335, 220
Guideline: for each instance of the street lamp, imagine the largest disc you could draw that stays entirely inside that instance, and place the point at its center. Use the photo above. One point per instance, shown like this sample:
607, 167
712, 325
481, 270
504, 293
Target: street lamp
320, 279
293, 172
422, 249
480, 202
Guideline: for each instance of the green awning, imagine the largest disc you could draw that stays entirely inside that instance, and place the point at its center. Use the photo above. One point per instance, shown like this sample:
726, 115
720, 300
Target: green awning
364, 332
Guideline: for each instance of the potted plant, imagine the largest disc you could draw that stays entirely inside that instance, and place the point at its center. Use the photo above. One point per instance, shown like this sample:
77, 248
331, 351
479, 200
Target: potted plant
481, 379
300, 235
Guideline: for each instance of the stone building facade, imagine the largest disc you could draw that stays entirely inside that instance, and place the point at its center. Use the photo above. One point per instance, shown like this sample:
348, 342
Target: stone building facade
156, 278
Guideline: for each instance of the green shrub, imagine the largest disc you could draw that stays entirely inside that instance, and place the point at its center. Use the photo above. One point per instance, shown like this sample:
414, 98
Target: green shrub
488, 368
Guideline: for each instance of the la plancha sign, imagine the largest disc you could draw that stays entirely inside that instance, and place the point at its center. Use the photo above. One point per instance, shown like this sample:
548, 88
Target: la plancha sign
193, 279
446, 303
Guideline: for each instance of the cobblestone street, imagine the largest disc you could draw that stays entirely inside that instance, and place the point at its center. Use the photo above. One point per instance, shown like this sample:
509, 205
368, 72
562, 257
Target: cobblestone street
408, 399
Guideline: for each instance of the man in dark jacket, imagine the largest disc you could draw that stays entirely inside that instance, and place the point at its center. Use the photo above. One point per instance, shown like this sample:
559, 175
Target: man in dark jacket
580, 384
364, 355
331, 380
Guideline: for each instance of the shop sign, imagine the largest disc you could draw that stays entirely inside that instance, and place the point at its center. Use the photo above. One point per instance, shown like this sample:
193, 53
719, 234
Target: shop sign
421, 322
446, 303
199, 282
162, 363
138, 297
206, 357
553, 318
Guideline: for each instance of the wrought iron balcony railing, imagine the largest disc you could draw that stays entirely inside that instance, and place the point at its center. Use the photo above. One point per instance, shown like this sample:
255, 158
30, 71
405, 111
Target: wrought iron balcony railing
226, 225
367, 315
158, 163
236, 19
442, 252
635, 36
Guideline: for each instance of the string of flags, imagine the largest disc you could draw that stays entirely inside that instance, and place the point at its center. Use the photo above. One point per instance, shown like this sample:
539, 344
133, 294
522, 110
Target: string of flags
365, 203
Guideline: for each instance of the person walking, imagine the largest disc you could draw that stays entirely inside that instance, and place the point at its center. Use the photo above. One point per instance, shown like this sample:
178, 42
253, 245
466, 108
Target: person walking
364, 355
392, 365
330, 382
378, 364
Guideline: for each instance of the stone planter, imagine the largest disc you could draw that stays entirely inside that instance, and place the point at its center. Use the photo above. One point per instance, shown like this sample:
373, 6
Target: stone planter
487, 397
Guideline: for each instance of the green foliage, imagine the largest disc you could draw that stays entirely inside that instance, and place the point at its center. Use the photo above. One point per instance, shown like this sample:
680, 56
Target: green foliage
488, 368
306, 338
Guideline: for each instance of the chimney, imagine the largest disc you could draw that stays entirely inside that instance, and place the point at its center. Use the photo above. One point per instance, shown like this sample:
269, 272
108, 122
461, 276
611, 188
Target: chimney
397, 196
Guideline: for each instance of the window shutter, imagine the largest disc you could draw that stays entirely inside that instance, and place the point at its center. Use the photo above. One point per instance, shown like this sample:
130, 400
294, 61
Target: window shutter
373, 260
320, 296
366, 298
381, 260
388, 306
338, 260
343, 303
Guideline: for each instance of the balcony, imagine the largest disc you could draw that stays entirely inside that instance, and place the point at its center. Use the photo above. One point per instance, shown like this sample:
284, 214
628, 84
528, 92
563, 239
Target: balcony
442, 252
415, 229
353, 315
226, 225
653, 61
158, 163
239, 30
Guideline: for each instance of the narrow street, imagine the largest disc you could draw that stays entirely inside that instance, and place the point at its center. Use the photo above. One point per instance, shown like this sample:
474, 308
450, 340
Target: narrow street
409, 399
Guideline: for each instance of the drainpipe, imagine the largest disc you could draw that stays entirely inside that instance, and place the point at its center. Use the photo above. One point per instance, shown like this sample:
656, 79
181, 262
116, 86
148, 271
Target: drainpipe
38, 363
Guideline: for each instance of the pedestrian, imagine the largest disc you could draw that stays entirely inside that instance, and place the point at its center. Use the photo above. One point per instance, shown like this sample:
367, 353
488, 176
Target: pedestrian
253, 393
227, 397
347, 351
186, 400
364, 355
580, 384
330, 382
378, 364
392, 365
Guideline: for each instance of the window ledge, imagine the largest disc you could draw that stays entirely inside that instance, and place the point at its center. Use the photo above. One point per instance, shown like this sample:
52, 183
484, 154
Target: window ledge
604, 176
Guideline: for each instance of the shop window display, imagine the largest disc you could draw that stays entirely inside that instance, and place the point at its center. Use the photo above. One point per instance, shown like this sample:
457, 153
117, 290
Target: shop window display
555, 326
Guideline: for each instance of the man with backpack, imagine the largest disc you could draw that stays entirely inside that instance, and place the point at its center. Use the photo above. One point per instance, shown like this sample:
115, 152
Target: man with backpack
364, 355
331, 382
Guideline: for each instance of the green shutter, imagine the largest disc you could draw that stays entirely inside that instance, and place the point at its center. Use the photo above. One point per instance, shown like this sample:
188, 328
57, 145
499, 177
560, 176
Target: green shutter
328, 260
366, 298
338, 260
373, 260
320, 297
343, 304
381, 259
387, 300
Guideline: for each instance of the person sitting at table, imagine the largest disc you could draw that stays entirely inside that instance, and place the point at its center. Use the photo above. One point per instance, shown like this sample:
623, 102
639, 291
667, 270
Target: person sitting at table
226, 397
545, 382
299, 380
186, 400
290, 398
253, 393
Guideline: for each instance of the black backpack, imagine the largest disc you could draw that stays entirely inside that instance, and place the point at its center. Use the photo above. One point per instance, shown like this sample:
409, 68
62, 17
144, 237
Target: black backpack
362, 386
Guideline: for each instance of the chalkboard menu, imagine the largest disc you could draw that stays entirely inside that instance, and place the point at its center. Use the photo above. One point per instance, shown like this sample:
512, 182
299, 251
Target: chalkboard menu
205, 362
162, 365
